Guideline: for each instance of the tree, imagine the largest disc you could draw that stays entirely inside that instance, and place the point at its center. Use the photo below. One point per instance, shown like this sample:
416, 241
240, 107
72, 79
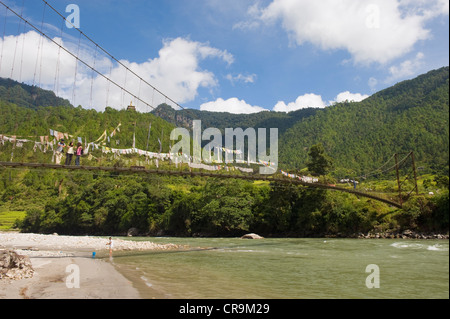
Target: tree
319, 163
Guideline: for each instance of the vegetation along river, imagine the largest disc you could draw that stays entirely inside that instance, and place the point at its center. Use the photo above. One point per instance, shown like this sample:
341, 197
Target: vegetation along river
220, 268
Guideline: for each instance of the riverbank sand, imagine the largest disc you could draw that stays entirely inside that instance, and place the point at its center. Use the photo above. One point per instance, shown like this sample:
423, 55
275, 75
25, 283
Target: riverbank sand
64, 267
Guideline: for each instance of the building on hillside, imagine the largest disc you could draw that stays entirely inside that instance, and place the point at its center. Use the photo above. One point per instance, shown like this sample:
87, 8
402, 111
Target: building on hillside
131, 107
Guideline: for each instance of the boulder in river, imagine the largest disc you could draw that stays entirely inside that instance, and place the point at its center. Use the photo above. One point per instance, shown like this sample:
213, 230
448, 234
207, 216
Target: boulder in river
133, 232
251, 236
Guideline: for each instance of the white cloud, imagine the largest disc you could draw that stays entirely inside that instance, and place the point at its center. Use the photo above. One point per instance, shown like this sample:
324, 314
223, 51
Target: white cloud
29, 57
428, 9
253, 22
236, 106
232, 105
405, 69
371, 31
303, 101
351, 97
176, 71
316, 101
249, 78
206, 51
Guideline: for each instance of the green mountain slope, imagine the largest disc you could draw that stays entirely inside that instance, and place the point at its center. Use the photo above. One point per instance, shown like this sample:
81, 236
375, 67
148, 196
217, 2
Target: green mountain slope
222, 120
410, 116
28, 96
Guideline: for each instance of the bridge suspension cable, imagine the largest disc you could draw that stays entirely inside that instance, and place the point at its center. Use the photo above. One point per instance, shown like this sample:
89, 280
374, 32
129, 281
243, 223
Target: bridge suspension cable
378, 170
76, 57
98, 46
82, 61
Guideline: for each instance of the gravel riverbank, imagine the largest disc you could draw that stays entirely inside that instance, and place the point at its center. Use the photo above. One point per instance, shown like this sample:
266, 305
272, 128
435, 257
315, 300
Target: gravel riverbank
64, 268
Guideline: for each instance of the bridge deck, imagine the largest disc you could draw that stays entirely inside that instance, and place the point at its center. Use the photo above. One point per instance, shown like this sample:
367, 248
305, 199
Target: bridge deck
257, 177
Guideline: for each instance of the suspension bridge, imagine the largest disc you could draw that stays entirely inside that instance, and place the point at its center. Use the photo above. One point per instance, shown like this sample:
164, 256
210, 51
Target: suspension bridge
98, 76
396, 201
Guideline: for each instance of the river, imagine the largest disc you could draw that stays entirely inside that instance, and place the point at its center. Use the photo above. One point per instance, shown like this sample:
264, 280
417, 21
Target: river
232, 268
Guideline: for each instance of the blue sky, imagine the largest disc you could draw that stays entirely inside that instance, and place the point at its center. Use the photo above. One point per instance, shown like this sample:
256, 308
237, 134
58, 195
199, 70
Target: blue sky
238, 56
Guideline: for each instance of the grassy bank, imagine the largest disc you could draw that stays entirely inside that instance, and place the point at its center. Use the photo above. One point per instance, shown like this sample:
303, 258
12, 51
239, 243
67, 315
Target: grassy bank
8, 219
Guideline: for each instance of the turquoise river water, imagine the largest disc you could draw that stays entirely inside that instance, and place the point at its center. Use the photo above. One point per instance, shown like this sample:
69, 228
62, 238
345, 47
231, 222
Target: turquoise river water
232, 268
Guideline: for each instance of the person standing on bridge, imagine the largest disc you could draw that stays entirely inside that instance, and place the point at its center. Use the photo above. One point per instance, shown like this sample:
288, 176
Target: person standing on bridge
59, 151
79, 152
69, 155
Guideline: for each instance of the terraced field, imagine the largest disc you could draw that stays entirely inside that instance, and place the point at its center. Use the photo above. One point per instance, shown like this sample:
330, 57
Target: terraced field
8, 218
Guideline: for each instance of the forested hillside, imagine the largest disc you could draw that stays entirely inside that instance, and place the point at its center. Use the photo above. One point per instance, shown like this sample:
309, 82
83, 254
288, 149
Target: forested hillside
221, 120
28, 95
359, 136
410, 116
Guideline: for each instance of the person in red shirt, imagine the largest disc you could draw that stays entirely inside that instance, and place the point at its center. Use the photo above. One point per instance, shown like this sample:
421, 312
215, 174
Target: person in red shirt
78, 154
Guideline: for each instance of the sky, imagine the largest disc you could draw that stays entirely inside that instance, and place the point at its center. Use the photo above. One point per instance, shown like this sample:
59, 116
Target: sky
237, 56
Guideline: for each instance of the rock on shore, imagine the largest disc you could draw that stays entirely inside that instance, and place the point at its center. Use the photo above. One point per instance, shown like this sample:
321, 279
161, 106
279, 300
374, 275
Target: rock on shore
406, 234
14, 266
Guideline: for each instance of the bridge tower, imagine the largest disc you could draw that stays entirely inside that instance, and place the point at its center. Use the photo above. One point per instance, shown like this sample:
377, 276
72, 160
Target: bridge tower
412, 171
